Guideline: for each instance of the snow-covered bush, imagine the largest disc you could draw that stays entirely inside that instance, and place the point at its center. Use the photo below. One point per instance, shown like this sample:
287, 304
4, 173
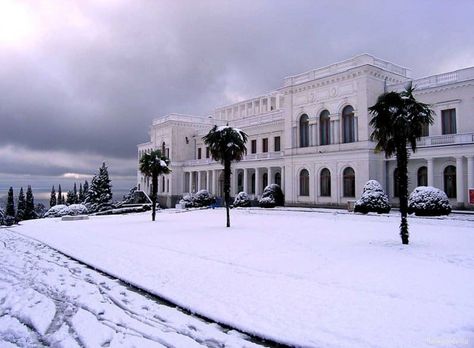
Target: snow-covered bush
203, 198
428, 201
242, 200
373, 199
272, 196
63, 210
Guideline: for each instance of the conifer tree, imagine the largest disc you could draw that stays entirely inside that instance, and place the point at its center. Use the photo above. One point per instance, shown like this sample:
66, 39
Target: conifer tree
99, 194
20, 212
52, 200
81, 194
70, 197
30, 205
10, 209
76, 198
60, 196
86, 190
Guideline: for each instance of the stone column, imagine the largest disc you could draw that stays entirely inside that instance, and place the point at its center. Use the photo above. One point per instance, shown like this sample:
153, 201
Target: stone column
246, 176
460, 179
430, 169
191, 181
208, 180
257, 181
198, 181
270, 176
470, 172
282, 173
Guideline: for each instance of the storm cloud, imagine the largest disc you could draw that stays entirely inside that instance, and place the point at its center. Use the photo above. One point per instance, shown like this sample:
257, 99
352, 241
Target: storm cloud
81, 81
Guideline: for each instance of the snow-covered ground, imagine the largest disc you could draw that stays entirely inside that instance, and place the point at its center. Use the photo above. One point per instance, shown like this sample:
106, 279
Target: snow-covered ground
319, 279
47, 299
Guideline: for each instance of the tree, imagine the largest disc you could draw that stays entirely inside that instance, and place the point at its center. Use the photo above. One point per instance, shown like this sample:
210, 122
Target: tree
10, 209
86, 190
76, 199
70, 197
81, 194
21, 207
30, 212
153, 165
226, 145
99, 194
398, 119
52, 199
60, 196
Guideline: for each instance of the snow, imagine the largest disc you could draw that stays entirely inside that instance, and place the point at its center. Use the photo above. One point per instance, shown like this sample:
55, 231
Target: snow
316, 278
63, 210
163, 164
429, 200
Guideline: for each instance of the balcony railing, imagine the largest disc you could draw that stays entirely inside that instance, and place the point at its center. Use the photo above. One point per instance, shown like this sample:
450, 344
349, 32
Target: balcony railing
248, 157
446, 139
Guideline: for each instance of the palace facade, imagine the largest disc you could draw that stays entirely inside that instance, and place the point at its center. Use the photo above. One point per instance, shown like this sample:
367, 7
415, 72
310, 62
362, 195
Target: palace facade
311, 136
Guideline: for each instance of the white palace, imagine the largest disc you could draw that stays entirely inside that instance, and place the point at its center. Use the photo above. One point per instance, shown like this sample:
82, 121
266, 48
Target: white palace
311, 136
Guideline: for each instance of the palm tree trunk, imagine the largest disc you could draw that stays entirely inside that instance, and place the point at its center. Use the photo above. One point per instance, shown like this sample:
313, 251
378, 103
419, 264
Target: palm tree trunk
402, 163
154, 194
227, 189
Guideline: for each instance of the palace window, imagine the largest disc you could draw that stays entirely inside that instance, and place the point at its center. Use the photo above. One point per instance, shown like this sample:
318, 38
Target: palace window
324, 128
304, 183
253, 145
448, 121
276, 144
425, 130
304, 131
252, 184
207, 152
450, 181
422, 176
265, 145
240, 182
348, 135
348, 182
325, 182
278, 179
265, 180
199, 153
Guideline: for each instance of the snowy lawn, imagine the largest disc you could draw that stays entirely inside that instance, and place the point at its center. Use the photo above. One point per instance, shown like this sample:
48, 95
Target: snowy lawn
307, 279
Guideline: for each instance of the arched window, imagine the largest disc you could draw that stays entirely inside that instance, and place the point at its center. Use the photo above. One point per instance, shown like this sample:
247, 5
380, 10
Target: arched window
304, 131
325, 182
265, 180
422, 176
163, 147
304, 183
396, 181
450, 181
252, 184
348, 184
278, 179
348, 135
324, 128
240, 182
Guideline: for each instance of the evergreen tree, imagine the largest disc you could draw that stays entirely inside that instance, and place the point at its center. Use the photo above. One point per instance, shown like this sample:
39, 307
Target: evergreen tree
81, 194
20, 212
30, 205
99, 194
60, 196
10, 209
52, 200
76, 198
70, 197
86, 190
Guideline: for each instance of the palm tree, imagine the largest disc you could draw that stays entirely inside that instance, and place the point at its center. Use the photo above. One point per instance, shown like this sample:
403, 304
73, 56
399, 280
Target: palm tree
398, 119
226, 144
152, 165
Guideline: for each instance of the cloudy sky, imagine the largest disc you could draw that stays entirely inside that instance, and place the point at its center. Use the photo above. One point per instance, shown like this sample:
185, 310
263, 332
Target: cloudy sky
81, 81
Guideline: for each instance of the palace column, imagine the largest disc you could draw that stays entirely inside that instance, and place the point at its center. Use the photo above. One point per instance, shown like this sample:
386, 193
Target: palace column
257, 181
246, 175
208, 180
430, 168
191, 181
470, 172
270, 176
460, 179
198, 181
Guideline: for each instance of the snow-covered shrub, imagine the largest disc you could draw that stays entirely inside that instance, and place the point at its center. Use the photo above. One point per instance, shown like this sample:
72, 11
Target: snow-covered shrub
428, 201
272, 196
242, 200
373, 199
203, 198
62, 210
186, 201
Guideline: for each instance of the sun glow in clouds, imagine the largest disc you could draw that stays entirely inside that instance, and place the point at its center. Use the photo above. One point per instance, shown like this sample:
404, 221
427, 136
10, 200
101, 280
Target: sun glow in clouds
16, 23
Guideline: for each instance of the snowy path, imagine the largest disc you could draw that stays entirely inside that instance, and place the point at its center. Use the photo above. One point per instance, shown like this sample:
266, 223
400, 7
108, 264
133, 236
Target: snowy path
48, 299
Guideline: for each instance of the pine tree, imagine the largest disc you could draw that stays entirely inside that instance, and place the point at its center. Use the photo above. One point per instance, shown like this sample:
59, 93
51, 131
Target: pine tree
20, 212
70, 197
30, 205
60, 196
99, 194
10, 210
52, 200
76, 198
86, 190
81, 194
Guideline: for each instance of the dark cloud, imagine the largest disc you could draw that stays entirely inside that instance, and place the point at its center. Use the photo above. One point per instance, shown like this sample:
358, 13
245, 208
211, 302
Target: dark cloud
91, 75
